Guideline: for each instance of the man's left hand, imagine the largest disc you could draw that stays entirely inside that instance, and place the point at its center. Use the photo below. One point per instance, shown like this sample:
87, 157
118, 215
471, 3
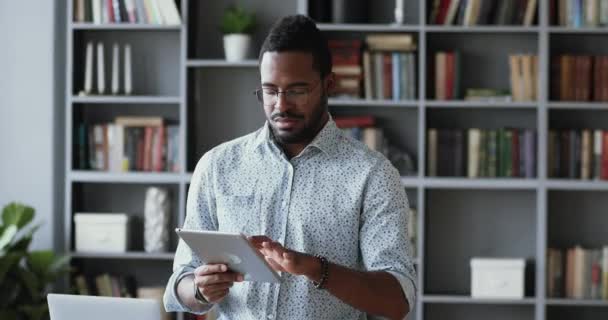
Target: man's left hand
283, 259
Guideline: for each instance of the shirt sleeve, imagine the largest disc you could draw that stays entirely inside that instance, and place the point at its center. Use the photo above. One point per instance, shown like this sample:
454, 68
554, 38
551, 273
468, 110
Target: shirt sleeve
384, 240
200, 215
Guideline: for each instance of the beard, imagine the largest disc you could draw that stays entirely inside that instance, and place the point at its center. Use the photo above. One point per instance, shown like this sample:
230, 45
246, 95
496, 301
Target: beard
310, 128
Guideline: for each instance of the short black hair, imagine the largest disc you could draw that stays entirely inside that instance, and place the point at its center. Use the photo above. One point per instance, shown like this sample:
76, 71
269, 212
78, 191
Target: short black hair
299, 33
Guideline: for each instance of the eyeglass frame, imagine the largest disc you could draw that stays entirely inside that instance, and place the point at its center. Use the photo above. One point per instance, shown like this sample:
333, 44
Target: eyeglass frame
285, 92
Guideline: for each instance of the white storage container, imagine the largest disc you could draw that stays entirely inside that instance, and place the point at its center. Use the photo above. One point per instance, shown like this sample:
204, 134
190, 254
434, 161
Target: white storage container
497, 278
101, 232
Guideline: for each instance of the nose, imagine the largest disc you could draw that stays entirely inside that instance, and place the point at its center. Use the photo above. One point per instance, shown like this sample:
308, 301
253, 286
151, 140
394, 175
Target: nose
282, 104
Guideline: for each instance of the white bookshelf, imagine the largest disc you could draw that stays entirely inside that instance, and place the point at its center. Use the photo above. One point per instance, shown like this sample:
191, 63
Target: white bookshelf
194, 50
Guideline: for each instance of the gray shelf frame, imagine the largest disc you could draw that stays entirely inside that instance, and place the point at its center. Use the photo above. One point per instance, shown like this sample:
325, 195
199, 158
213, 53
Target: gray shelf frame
419, 183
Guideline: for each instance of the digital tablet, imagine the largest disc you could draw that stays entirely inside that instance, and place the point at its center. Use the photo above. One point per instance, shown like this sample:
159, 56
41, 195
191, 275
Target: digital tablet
232, 249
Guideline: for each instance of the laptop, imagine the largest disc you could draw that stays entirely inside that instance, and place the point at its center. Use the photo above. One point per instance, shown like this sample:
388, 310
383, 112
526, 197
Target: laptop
78, 307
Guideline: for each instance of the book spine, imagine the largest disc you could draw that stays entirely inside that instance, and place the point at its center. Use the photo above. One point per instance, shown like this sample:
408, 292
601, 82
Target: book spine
604, 155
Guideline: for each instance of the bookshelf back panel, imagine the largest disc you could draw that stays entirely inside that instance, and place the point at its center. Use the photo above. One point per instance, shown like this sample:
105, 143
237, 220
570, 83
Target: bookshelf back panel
490, 118
205, 37
154, 56
585, 44
475, 312
412, 197
578, 119
222, 108
461, 224
146, 273
576, 313
103, 113
577, 218
484, 58
125, 198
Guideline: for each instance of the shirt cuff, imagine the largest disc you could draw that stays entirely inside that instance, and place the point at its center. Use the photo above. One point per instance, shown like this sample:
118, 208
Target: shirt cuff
408, 287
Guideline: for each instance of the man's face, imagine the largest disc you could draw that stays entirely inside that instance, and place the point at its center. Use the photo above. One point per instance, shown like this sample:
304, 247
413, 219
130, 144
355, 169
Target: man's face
297, 113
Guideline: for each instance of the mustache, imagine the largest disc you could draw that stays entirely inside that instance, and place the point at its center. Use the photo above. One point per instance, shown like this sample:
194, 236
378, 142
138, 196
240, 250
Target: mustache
286, 115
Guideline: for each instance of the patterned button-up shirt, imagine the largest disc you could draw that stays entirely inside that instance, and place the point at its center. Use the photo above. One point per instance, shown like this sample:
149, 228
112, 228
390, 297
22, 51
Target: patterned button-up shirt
337, 199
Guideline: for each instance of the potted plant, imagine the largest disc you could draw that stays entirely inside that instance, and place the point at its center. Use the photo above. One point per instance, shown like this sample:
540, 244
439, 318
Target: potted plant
237, 26
25, 276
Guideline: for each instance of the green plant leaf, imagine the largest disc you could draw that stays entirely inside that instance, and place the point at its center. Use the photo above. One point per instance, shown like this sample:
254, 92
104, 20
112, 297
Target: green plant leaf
8, 314
237, 20
7, 236
30, 281
17, 214
60, 265
8, 261
40, 261
35, 311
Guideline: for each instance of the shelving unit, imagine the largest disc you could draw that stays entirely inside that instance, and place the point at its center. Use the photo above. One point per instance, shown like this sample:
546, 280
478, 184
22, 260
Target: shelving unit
457, 217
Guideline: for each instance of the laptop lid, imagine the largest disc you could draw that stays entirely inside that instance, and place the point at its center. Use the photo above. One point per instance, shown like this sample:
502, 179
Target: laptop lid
78, 307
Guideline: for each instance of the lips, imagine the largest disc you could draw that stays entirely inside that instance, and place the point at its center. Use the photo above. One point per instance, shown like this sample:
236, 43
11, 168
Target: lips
286, 123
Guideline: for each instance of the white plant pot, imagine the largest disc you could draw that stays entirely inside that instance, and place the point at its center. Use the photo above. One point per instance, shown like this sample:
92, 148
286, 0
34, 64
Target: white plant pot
236, 46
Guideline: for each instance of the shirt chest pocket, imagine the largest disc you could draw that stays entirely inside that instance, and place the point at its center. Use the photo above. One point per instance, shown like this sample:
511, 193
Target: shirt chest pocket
239, 213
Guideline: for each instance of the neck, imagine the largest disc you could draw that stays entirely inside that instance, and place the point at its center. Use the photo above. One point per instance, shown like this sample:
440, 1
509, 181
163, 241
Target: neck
294, 149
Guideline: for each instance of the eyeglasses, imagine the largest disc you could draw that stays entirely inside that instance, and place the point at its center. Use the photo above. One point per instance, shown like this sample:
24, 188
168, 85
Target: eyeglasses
296, 96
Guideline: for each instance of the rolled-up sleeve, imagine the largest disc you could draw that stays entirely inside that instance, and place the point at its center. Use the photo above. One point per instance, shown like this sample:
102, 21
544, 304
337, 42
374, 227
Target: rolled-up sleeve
200, 215
384, 239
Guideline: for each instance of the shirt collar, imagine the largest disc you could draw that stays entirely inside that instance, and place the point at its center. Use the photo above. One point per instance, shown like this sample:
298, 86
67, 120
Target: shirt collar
326, 140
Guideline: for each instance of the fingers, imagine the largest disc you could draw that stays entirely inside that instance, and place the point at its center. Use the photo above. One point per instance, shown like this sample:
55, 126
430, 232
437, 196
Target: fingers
210, 269
274, 265
226, 277
214, 289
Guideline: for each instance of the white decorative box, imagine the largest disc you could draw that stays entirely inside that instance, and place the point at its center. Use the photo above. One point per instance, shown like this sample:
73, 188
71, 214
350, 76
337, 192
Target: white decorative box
101, 232
497, 278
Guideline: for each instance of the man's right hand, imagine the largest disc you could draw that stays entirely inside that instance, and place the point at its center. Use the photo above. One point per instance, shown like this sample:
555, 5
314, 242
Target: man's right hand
214, 281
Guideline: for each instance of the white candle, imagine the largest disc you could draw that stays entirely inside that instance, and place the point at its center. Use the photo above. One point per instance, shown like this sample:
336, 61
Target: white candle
88, 69
115, 63
128, 85
101, 75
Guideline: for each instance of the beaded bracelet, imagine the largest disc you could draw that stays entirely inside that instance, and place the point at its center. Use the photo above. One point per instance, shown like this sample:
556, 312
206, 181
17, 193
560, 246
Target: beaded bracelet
324, 273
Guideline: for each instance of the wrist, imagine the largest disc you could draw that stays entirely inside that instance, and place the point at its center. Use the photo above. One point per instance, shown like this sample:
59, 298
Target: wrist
314, 268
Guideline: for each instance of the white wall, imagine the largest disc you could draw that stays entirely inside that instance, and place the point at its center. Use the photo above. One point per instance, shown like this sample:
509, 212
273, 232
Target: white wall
31, 140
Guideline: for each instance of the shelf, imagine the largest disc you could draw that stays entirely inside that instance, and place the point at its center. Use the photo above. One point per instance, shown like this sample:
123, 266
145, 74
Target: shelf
124, 177
480, 183
362, 27
481, 29
410, 181
219, 63
469, 300
126, 255
124, 26
574, 184
577, 105
126, 99
373, 103
577, 30
479, 104
577, 302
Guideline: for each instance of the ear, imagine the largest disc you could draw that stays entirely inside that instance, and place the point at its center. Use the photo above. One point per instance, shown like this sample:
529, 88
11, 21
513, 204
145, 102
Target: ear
330, 83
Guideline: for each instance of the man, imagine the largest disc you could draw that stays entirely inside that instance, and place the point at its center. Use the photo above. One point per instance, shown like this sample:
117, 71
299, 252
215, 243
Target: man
323, 209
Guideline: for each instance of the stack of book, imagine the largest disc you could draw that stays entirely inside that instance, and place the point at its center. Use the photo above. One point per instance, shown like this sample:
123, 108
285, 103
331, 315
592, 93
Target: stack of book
346, 61
579, 13
363, 128
105, 285
579, 78
479, 153
524, 77
577, 273
389, 67
447, 75
128, 144
578, 154
483, 12
127, 11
